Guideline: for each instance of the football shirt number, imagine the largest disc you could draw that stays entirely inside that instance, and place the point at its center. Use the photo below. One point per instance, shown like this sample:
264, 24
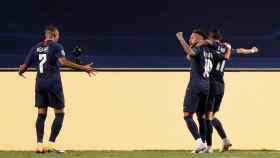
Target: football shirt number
207, 68
43, 60
220, 66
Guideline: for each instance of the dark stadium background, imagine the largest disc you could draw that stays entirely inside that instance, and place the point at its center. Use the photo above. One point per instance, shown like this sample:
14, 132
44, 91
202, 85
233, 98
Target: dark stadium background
129, 33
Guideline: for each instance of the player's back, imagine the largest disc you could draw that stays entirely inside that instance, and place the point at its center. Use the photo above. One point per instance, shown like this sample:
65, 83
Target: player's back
45, 56
217, 74
201, 65
219, 62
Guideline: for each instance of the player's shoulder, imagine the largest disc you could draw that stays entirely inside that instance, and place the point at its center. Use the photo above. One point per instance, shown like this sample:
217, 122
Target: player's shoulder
37, 45
56, 44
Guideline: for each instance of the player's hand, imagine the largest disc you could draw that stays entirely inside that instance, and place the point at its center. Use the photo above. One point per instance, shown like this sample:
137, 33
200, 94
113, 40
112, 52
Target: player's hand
89, 70
22, 69
179, 35
254, 50
189, 57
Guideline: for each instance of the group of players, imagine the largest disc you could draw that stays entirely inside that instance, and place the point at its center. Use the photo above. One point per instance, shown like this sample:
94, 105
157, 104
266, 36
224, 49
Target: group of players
207, 54
203, 96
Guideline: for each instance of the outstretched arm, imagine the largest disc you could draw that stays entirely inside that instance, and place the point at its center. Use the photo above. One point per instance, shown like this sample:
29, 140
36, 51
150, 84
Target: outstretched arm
188, 50
247, 51
67, 63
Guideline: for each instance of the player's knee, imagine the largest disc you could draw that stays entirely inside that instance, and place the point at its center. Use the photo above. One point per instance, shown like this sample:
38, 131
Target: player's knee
188, 115
42, 111
57, 111
209, 116
201, 116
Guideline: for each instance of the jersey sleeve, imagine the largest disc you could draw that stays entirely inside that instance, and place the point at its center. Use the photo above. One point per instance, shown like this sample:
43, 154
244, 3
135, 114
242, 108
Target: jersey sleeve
59, 51
197, 51
29, 59
234, 51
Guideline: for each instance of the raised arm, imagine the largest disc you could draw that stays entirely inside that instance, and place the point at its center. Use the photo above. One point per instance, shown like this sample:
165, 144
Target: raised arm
188, 50
247, 51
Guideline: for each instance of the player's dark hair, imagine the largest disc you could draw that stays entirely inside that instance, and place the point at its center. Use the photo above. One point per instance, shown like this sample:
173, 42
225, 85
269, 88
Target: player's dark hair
200, 32
51, 28
216, 34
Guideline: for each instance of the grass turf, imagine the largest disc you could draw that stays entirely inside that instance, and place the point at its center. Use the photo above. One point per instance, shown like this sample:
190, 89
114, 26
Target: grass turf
141, 154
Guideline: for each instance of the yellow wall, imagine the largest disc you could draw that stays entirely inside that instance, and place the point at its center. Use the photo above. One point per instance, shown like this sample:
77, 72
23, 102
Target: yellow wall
140, 110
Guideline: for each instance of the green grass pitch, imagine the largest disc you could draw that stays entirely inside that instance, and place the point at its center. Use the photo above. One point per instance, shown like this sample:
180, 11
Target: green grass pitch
141, 154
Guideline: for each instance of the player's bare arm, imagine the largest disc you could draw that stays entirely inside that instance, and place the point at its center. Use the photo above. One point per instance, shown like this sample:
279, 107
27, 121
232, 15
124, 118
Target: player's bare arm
204, 43
228, 52
253, 50
188, 50
87, 68
22, 69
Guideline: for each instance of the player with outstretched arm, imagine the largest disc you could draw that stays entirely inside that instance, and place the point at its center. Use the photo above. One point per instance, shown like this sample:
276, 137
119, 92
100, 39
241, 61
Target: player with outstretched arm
48, 56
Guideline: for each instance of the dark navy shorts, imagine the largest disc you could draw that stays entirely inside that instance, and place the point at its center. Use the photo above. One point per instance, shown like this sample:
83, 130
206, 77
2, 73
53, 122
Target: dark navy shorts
214, 102
195, 103
49, 94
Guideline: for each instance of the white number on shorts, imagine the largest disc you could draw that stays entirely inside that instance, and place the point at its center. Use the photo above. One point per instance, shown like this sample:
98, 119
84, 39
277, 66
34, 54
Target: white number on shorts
42, 59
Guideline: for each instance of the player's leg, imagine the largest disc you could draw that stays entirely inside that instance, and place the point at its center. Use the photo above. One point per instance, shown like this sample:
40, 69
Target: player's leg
40, 126
226, 144
56, 98
41, 102
57, 124
190, 107
209, 101
202, 126
209, 129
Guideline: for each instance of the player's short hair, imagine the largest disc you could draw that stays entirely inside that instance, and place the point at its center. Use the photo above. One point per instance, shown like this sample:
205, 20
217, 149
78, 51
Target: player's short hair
51, 28
216, 34
200, 32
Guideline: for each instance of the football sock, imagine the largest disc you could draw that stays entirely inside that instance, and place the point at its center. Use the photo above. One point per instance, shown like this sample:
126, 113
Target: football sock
202, 127
56, 126
209, 132
40, 125
192, 127
219, 127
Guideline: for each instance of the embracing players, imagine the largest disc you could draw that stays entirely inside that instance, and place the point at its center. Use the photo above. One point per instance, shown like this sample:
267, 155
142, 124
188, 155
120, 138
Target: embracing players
217, 86
48, 56
196, 97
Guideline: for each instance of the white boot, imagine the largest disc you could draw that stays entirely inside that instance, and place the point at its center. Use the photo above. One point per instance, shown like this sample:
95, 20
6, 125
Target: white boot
226, 144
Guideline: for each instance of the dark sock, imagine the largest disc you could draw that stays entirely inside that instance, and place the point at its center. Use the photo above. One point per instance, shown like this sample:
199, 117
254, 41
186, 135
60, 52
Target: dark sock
56, 126
219, 127
40, 125
202, 128
209, 132
192, 127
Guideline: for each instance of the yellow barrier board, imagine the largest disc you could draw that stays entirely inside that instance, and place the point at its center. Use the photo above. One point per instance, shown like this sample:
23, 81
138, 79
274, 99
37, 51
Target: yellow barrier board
139, 110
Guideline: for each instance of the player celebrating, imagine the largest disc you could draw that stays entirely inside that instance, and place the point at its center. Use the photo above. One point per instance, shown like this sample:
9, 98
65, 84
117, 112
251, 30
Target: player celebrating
48, 56
198, 87
217, 87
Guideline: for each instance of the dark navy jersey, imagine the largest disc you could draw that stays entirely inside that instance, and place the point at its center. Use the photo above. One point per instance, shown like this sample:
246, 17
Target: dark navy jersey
219, 62
217, 73
45, 57
201, 66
